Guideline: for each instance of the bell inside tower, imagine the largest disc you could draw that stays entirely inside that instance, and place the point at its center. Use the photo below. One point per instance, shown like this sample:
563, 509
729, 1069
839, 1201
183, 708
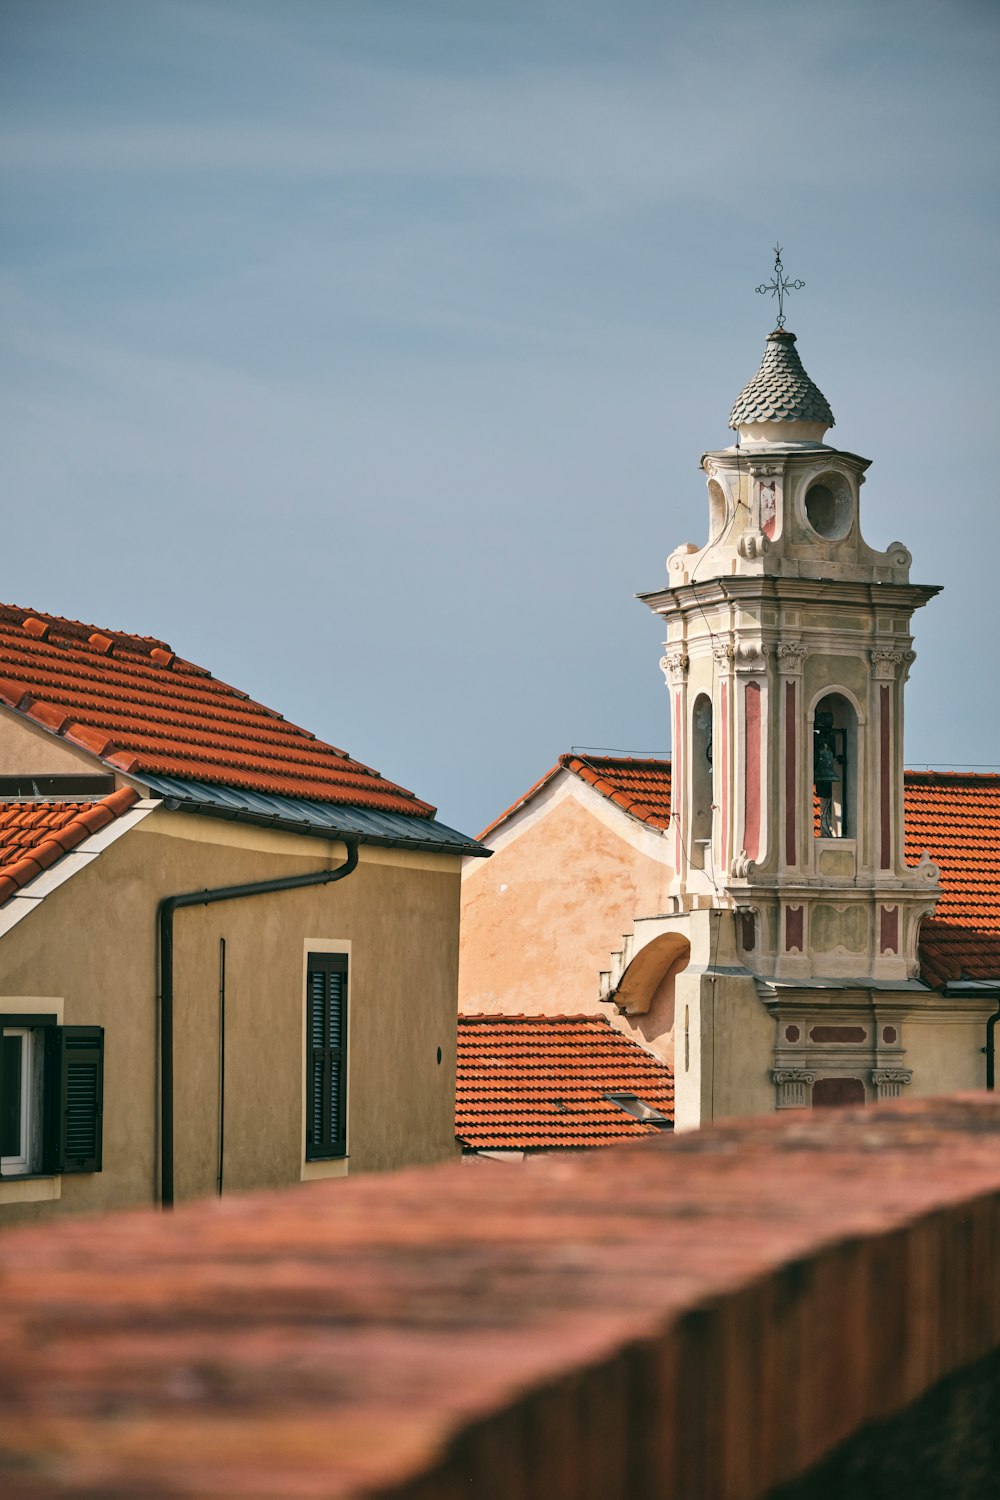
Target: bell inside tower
834, 763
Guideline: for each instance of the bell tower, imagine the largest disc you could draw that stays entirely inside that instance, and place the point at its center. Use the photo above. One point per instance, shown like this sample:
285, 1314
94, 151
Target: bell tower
787, 651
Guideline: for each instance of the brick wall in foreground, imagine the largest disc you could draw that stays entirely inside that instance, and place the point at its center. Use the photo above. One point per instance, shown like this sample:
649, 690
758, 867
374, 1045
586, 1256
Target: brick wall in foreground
715, 1315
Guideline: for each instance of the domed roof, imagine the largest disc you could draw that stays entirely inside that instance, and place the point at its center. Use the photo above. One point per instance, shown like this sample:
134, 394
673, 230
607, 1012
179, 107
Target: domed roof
781, 391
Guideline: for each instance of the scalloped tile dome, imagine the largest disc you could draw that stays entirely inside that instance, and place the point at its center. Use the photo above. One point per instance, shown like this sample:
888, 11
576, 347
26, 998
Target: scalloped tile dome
781, 391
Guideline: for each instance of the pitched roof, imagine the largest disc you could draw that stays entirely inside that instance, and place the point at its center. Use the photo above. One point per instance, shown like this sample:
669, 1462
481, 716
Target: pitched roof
538, 1082
35, 835
639, 785
781, 391
955, 816
132, 702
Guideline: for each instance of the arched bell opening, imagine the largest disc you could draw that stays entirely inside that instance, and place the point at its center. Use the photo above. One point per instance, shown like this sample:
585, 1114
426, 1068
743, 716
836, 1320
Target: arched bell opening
701, 782
835, 763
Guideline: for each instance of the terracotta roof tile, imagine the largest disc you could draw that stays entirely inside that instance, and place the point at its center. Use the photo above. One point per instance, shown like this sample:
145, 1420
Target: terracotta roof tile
538, 1082
131, 701
638, 785
955, 817
35, 835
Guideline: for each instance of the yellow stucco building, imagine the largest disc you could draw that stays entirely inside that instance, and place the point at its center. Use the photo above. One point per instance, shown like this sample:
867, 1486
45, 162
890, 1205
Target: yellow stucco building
228, 951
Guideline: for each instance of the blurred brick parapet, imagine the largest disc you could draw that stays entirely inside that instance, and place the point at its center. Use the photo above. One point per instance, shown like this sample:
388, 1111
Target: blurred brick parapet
704, 1316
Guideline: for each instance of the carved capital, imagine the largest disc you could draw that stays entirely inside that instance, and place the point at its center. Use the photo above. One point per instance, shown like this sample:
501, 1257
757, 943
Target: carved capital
890, 1082
792, 1085
762, 470
724, 652
791, 657
885, 661
742, 867
674, 665
750, 656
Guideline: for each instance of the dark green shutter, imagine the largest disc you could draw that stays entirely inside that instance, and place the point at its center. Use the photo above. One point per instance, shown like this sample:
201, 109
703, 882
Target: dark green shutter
326, 1063
77, 1098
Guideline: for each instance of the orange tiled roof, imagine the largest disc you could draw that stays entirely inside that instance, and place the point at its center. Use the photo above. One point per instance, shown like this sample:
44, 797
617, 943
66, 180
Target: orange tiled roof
955, 816
538, 1082
639, 785
129, 700
34, 835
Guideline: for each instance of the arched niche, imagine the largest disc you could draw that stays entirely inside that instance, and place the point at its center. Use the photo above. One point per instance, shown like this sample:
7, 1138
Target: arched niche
718, 510
834, 792
701, 781
651, 967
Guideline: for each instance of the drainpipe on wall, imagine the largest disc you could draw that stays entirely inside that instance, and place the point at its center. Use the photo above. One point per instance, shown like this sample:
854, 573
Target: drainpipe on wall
990, 1050
165, 923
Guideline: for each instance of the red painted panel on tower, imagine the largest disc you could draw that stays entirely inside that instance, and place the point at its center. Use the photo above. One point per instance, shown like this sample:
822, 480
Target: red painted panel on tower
790, 773
889, 929
723, 698
751, 823
793, 928
677, 779
885, 779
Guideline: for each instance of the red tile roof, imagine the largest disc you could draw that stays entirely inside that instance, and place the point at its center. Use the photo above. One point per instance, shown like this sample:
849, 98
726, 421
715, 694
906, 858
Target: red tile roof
955, 816
35, 835
129, 700
638, 785
538, 1082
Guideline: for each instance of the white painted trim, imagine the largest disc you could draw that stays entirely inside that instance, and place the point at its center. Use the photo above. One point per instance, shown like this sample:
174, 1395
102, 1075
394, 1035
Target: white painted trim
31, 1189
24, 902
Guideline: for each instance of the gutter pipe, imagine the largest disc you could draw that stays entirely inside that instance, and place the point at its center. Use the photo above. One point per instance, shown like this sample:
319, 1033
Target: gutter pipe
990, 1050
165, 922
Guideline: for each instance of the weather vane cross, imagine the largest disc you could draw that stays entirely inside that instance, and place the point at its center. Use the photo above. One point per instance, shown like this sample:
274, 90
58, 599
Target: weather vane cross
780, 285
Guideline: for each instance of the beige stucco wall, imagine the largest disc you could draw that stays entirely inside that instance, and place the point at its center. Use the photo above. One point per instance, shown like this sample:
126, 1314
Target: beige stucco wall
723, 1049
946, 1054
92, 944
31, 750
541, 918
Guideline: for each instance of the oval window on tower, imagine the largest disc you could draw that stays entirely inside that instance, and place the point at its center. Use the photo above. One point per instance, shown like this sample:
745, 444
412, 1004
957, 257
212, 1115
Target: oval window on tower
830, 507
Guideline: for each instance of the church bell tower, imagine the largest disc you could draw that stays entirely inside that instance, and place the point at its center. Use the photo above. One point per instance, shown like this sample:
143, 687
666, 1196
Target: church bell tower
788, 646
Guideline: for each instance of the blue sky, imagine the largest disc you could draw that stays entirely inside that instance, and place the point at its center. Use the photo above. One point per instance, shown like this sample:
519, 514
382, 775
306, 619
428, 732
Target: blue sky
366, 349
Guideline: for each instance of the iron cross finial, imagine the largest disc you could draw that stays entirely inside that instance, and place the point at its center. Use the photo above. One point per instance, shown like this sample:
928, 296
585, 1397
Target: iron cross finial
780, 285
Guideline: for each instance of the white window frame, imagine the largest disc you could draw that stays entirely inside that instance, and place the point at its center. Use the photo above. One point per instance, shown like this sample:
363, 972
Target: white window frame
31, 1102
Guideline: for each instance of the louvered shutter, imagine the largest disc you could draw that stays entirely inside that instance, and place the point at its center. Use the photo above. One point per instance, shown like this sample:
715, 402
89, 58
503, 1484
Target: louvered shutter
326, 1064
77, 1097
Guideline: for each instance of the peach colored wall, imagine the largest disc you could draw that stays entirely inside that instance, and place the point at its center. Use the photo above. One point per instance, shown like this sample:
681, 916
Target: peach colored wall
542, 917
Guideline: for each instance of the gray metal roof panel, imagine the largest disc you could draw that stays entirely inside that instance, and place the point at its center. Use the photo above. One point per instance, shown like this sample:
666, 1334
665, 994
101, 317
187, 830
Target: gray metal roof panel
317, 818
781, 391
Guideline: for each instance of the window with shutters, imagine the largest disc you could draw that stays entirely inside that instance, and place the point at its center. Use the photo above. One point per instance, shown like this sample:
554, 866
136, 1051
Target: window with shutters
51, 1096
326, 1056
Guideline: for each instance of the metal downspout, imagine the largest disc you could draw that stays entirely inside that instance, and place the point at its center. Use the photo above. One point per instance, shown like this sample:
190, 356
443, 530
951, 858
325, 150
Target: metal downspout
990, 1049
165, 922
